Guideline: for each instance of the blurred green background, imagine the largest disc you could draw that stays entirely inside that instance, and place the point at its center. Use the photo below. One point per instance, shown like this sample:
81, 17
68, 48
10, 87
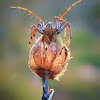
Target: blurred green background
82, 79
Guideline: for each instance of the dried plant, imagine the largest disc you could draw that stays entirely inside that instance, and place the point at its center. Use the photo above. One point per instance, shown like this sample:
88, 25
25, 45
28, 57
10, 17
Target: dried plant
49, 55
52, 63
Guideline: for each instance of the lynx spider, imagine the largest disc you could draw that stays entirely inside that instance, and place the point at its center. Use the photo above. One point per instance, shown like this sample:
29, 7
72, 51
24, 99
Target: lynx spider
51, 29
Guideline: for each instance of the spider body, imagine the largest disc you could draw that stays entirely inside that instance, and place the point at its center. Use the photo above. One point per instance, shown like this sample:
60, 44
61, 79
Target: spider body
51, 29
49, 32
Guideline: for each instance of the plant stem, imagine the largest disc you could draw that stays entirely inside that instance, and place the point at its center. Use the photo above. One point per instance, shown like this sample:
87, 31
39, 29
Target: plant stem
45, 95
45, 87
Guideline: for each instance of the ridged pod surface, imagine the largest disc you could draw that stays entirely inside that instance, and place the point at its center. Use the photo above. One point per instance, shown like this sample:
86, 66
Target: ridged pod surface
55, 58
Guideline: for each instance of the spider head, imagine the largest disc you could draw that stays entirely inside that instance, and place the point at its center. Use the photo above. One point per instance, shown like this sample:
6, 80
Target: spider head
49, 32
49, 26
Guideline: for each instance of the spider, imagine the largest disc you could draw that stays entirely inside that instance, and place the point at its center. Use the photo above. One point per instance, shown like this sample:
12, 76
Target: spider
51, 29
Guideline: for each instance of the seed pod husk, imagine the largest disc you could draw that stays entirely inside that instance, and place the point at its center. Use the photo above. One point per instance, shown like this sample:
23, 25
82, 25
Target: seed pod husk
52, 61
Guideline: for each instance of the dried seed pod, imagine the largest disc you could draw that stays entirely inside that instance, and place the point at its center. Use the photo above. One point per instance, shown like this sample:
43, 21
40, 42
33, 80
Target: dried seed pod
53, 60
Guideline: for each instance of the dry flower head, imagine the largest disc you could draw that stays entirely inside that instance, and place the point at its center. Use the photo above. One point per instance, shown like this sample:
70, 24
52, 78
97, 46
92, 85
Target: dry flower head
55, 58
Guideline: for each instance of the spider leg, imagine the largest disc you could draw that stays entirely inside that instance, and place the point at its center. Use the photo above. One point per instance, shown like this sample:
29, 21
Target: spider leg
33, 31
69, 31
41, 25
69, 8
37, 29
68, 42
42, 50
65, 35
28, 12
57, 23
56, 18
63, 26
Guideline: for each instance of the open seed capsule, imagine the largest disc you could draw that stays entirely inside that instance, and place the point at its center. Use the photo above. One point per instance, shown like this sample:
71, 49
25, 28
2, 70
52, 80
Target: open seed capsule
53, 60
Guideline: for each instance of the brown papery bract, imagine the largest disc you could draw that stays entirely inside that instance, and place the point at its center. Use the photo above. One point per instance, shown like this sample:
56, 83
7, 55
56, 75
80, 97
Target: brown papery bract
56, 56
